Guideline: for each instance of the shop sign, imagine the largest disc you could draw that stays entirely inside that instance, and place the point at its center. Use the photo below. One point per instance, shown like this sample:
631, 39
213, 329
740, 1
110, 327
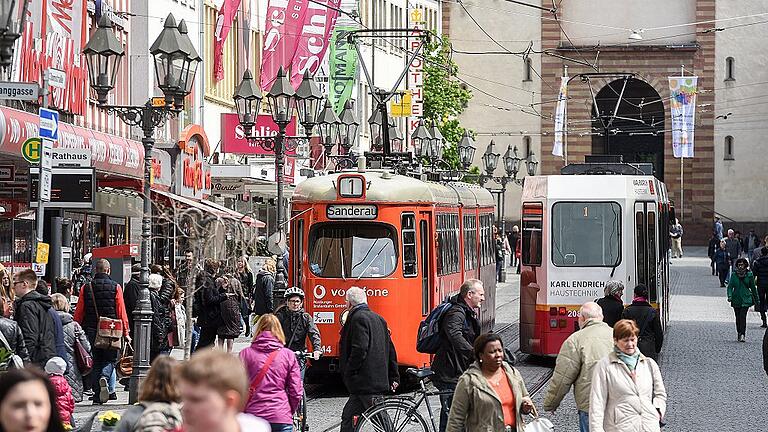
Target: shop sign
193, 174
223, 187
233, 136
7, 173
161, 173
416, 73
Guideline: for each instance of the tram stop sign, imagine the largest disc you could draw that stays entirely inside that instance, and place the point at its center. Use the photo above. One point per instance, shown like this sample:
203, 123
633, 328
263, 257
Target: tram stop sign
31, 149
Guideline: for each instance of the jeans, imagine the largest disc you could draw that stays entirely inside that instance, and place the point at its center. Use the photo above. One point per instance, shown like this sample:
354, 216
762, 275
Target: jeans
195, 336
103, 361
583, 421
281, 427
741, 319
499, 269
677, 247
356, 405
722, 273
445, 401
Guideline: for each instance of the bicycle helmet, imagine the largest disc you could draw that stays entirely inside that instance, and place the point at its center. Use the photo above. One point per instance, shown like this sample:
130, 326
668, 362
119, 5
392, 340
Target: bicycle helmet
293, 291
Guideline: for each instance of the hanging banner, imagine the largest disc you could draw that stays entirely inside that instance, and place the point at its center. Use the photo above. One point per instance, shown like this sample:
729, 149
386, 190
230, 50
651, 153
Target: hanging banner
65, 20
318, 23
223, 26
282, 30
682, 94
415, 75
343, 68
562, 101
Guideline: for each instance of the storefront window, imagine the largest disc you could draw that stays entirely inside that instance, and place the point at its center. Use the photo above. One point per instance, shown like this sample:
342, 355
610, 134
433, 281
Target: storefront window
23, 240
95, 233
117, 231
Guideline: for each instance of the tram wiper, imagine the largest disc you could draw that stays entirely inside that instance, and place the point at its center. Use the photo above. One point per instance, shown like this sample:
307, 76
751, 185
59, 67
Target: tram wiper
372, 260
341, 256
616, 230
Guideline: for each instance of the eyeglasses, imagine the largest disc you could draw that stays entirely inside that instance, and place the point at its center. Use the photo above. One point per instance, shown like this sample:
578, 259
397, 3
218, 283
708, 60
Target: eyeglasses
296, 301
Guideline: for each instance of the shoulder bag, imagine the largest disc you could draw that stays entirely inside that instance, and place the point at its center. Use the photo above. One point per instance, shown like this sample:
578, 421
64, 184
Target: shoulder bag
109, 331
15, 360
538, 424
260, 376
83, 358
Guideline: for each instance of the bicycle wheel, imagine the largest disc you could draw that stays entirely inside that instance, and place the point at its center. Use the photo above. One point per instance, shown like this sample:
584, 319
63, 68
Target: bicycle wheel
300, 416
392, 416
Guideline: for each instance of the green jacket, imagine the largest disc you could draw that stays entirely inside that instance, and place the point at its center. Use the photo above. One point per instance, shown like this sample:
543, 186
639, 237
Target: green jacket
742, 293
477, 408
578, 356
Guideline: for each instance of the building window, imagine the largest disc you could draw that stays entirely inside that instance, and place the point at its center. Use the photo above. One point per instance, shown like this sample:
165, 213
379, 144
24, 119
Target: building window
527, 67
526, 146
729, 69
728, 153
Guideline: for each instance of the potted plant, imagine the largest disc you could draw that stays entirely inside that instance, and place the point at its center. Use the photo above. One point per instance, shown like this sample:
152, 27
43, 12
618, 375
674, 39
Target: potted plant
109, 420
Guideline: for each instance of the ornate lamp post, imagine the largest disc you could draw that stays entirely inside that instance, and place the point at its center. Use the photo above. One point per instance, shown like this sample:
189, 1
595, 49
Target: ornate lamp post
466, 148
282, 100
176, 63
13, 17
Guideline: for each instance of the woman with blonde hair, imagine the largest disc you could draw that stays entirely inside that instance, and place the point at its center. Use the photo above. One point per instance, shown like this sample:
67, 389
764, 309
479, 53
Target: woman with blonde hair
273, 372
6, 290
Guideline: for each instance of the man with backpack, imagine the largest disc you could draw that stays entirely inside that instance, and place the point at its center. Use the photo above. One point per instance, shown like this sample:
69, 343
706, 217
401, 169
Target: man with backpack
457, 329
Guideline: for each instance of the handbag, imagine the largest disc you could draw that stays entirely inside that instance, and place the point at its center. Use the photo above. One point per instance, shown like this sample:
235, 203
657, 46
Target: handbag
109, 331
125, 364
260, 376
83, 358
15, 360
538, 424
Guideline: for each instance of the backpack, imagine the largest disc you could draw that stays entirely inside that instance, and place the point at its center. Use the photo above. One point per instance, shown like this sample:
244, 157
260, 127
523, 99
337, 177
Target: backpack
159, 417
428, 336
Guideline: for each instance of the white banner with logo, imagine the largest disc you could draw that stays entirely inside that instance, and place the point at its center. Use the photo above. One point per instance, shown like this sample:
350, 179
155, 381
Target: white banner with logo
682, 93
562, 99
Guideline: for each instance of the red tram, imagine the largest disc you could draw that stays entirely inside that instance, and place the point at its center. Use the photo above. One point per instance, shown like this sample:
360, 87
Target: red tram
408, 243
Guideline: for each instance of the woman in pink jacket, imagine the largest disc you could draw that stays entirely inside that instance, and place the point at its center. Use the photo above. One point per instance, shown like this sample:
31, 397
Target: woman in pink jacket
275, 379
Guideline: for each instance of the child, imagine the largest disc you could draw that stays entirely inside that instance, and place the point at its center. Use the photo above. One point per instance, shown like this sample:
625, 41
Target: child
65, 402
214, 390
230, 312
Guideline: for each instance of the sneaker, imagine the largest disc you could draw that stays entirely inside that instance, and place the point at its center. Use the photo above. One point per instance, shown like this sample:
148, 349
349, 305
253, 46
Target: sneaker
742, 338
103, 390
113, 396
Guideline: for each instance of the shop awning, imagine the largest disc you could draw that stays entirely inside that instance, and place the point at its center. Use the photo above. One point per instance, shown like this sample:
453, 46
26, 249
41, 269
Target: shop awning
212, 208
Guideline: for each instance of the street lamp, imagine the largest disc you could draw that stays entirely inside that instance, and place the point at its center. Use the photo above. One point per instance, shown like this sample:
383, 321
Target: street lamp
12, 20
421, 139
512, 161
349, 126
466, 149
437, 142
282, 99
175, 63
490, 159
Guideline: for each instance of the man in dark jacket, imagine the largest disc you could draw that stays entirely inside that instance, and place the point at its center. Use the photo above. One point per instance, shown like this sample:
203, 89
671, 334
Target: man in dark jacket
103, 297
714, 245
458, 330
263, 289
651, 334
367, 358
297, 325
132, 293
35, 322
613, 303
208, 298
760, 270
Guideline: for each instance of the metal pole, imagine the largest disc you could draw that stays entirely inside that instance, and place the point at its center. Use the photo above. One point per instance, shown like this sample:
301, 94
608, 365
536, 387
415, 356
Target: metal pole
280, 284
681, 185
387, 147
143, 313
40, 214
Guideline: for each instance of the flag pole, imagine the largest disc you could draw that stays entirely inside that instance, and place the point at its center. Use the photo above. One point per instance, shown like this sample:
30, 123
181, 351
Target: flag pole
682, 159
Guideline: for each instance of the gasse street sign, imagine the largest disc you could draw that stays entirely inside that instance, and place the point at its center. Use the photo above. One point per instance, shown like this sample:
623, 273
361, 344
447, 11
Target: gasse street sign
57, 78
19, 91
49, 124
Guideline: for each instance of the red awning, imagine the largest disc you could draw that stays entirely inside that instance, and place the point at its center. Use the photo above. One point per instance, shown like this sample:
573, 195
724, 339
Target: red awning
110, 153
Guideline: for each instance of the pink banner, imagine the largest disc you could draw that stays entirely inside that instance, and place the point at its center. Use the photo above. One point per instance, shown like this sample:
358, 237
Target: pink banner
233, 137
223, 25
282, 29
315, 36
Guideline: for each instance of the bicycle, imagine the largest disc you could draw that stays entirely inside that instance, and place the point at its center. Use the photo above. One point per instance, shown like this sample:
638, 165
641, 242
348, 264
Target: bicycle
300, 416
401, 413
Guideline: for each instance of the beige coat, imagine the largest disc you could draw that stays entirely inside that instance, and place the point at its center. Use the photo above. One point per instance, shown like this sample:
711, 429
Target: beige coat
477, 408
618, 404
575, 362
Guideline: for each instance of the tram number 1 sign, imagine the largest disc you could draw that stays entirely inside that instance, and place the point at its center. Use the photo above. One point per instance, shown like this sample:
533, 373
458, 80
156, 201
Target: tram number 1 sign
351, 211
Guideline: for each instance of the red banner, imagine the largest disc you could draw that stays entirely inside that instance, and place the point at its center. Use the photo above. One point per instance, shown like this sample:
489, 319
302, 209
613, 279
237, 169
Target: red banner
315, 37
282, 32
223, 25
233, 137
109, 153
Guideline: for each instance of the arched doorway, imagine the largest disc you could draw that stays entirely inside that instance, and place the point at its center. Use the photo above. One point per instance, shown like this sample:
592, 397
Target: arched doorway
628, 120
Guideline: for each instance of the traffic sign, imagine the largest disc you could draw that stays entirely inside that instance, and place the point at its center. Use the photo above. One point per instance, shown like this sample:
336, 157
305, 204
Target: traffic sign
31, 149
46, 179
47, 157
57, 78
49, 124
39, 269
42, 253
19, 91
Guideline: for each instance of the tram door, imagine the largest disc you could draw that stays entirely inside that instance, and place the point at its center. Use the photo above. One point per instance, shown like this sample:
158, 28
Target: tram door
427, 279
646, 248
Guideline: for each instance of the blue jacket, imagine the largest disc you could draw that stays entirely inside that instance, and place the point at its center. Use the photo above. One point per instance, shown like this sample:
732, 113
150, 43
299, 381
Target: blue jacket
722, 257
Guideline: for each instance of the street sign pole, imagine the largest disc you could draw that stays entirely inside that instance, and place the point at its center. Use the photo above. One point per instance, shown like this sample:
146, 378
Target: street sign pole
41, 181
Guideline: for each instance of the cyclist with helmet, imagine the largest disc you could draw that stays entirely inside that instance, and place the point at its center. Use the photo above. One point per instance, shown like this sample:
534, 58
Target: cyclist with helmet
298, 324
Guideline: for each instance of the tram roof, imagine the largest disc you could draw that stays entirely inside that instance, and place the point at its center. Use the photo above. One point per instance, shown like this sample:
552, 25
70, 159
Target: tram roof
593, 187
384, 186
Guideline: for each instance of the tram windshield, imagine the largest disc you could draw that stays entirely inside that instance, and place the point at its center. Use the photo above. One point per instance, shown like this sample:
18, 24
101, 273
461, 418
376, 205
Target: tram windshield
586, 234
347, 250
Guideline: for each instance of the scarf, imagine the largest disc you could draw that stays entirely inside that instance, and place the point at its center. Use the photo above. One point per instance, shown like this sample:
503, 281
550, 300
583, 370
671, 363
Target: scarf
629, 360
640, 299
741, 272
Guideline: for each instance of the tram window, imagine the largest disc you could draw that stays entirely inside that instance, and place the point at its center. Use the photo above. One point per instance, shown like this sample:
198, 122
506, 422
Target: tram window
298, 248
410, 266
531, 247
441, 246
652, 264
470, 243
586, 234
361, 250
642, 275
454, 233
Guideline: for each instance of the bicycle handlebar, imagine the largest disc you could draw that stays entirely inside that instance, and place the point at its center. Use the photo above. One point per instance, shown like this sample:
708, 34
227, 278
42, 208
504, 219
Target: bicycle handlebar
303, 355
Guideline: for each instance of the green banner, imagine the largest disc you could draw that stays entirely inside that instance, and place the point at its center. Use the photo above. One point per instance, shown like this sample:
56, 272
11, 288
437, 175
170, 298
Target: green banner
343, 68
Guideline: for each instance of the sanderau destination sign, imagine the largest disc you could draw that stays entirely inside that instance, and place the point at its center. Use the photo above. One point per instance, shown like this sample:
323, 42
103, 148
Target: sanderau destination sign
351, 211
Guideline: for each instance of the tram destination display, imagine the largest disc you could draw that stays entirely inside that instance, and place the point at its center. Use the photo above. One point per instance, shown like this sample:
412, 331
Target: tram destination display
70, 188
352, 211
